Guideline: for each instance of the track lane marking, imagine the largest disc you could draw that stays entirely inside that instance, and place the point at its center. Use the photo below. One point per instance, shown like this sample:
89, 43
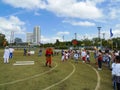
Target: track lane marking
62, 79
98, 78
31, 77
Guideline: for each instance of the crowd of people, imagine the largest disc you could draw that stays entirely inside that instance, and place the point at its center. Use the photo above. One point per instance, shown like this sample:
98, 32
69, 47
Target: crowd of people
109, 58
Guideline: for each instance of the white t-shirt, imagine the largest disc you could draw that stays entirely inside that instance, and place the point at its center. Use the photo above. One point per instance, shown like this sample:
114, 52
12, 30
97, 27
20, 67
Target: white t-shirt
113, 68
6, 53
117, 69
76, 55
83, 53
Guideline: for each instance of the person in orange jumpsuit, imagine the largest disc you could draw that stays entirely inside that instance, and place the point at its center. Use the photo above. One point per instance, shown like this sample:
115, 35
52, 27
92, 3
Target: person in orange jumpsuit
48, 54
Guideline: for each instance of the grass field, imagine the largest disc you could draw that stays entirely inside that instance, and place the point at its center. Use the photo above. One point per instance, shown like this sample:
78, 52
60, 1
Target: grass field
62, 76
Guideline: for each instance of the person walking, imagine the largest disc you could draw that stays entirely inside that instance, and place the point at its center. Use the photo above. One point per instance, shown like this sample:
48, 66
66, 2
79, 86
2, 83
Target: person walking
48, 54
6, 54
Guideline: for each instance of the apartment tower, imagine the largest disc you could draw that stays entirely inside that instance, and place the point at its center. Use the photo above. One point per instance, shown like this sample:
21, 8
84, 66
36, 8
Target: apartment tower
36, 35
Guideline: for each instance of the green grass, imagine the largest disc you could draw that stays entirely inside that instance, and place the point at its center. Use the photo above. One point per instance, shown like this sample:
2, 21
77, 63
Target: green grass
83, 78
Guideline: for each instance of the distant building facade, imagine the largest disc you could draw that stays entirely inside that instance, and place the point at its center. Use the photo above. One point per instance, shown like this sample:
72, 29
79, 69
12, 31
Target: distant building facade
36, 34
34, 37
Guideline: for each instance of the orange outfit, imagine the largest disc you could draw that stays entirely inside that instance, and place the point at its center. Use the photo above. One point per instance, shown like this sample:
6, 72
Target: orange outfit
48, 54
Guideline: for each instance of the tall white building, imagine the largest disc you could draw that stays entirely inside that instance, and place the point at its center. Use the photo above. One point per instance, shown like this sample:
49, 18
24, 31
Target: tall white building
36, 35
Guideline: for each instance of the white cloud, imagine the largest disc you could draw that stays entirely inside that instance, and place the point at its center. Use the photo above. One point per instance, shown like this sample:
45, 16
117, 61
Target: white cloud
113, 13
63, 33
74, 9
37, 14
75, 23
116, 33
70, 8
50, 40
117, 26
11, 24
26, 4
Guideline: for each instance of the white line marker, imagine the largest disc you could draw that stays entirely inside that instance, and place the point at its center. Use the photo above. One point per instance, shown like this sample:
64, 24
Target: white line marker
31, 77
24, 63
62, 79
98, 79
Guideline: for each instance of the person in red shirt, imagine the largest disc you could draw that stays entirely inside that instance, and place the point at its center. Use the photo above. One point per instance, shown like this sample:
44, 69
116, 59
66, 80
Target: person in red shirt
48, 54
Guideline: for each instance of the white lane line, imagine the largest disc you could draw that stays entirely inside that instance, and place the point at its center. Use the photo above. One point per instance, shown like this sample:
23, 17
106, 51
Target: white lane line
98, 78
62, 79
31, 77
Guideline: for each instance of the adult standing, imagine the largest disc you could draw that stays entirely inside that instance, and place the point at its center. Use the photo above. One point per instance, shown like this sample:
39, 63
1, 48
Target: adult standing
48, 54
95, 55
117, 72
100, 59
6, 54
25, 52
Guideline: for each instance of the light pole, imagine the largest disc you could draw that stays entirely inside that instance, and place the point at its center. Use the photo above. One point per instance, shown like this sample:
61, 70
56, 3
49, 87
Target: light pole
99, 32
75, 35
103, 35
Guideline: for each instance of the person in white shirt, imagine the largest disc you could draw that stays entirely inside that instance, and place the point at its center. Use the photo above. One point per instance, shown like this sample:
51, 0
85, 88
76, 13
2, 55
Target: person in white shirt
117, 72
76, 56
113, 74
83, 55
6, 54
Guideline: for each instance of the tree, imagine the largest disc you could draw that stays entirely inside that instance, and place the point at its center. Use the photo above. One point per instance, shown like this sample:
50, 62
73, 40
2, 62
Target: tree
3, 41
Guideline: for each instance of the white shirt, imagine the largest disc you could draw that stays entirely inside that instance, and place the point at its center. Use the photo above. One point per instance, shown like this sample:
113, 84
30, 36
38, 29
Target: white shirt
76, 56
113, 68
83, 54
6, 53
117, 69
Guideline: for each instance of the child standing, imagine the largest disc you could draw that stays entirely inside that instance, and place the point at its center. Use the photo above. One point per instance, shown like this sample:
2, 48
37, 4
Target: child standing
88, 57
6, 54
76, 56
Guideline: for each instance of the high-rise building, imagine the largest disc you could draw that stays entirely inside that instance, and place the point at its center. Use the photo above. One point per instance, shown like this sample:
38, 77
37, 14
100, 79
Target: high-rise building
36, 35
29, 37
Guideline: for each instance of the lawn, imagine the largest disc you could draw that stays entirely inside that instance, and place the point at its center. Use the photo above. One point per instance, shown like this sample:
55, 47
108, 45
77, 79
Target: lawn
66, 75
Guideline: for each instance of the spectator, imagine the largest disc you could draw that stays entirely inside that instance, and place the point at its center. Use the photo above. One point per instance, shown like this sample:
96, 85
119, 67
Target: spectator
117, 72
83, 55
76, 56
48, 54
6, 54
25, 52
100, 58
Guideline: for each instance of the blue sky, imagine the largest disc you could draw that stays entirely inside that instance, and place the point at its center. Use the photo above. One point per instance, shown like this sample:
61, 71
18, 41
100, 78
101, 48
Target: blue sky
58, 18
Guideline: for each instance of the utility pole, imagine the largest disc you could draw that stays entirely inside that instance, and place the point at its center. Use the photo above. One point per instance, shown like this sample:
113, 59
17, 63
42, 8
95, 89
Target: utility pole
75, 35
103, 35
12, 38
99, 32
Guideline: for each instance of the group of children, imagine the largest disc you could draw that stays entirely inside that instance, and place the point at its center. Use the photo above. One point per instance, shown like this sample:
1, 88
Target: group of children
110, 59
76, 54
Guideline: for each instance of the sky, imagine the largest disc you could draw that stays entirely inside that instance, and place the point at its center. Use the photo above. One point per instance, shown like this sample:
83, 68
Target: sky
60, 18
